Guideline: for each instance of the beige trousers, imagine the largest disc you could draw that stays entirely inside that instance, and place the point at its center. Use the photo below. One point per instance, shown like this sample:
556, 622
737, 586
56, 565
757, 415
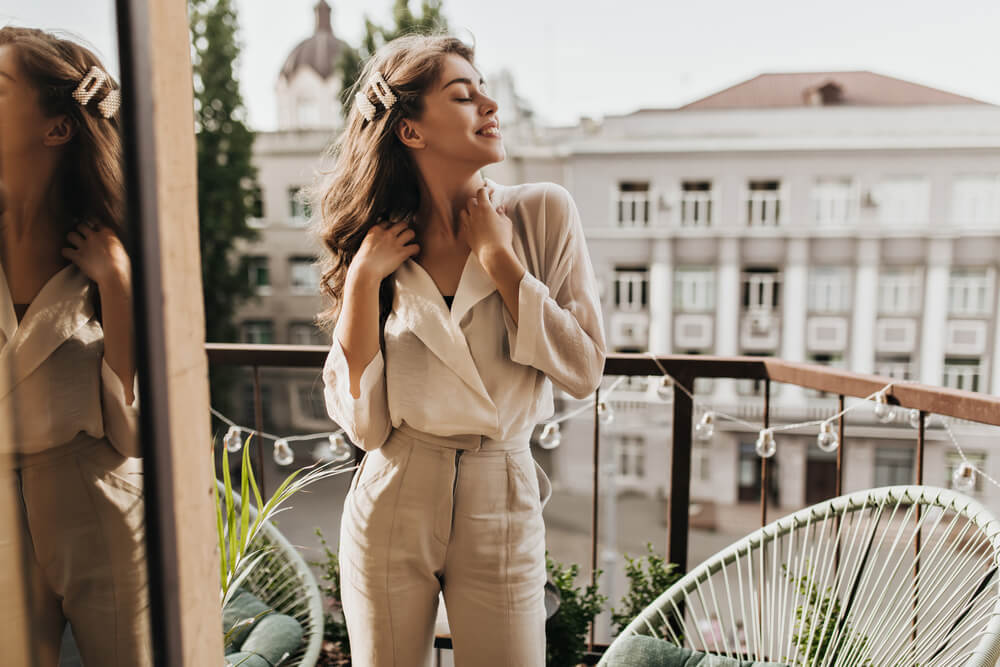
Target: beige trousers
459, 516
72, 550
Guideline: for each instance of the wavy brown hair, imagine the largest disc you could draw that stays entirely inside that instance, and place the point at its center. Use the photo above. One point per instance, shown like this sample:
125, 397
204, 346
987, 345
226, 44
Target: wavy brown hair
90, 177
373, 179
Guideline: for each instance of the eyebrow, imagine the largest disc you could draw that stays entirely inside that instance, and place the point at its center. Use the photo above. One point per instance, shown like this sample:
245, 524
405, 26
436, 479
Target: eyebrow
8, 76
463, 80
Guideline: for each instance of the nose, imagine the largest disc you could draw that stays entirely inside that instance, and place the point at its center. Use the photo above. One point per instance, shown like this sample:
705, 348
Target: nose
489, 105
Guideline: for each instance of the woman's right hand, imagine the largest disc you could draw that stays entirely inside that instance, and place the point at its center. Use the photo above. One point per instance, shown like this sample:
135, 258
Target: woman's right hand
383, 249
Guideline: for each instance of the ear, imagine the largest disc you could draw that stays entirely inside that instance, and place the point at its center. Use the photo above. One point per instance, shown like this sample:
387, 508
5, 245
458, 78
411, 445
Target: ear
61, 130
410, 134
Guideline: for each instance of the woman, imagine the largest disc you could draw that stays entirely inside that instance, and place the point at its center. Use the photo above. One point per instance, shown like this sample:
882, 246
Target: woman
74, 541
480, 297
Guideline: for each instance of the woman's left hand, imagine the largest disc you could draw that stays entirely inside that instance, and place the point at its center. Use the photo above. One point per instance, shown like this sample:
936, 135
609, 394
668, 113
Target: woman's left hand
99, 253
486, 229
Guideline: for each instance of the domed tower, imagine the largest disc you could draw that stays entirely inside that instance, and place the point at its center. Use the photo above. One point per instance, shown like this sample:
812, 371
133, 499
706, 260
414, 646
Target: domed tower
308, 88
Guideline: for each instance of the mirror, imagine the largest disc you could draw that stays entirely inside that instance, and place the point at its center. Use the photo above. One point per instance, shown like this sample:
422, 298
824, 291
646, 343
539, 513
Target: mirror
73, 573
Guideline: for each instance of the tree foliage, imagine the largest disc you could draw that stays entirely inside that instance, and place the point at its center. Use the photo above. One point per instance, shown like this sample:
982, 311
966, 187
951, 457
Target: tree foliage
404, 22
226, 175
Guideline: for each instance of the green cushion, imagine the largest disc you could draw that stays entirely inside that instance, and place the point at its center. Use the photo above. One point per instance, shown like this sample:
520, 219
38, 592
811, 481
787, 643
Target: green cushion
643, 651
243, 606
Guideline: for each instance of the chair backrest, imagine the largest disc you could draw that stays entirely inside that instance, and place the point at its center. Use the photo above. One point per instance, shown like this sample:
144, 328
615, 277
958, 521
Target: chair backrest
902, 575
284, 581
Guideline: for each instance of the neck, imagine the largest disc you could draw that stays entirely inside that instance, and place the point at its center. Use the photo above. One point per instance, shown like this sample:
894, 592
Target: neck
34, 222
443, 194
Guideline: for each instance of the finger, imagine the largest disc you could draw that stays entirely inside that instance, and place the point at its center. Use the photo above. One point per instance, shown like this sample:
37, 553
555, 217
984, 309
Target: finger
75, 239
70, 253
399, 227
413, 249
483, 196
84, 229
406, 235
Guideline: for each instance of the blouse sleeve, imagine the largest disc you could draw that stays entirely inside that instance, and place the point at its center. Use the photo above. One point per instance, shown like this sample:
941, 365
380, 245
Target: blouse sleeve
559, 329
366, 418
121, 419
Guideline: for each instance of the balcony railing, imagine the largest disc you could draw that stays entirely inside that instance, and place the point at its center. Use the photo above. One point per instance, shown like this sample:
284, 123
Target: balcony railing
685, 370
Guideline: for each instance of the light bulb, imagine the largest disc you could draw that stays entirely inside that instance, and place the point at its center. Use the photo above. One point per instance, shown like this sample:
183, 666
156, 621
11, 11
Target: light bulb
339, 449
913, 416
705, 427
283, 454
827, 440
765, 444
884, 412
550, 437
604, 413
964, 479
234, 439
665, 389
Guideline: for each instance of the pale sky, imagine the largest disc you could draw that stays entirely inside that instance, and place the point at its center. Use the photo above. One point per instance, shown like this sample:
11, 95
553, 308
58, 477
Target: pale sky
619, 56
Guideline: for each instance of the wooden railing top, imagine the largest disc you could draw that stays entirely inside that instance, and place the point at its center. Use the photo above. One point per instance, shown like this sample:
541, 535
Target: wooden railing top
968, 405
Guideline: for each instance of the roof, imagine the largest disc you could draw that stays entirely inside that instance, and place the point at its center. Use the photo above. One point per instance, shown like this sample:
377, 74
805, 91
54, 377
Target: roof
803, 89
320, 51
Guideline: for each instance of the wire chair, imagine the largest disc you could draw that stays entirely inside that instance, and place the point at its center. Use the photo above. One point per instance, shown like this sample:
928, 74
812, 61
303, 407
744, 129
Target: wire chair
901, 575
284, 582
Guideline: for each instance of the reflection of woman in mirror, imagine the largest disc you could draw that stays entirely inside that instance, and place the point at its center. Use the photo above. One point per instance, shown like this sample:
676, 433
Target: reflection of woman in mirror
67, 375
482, 296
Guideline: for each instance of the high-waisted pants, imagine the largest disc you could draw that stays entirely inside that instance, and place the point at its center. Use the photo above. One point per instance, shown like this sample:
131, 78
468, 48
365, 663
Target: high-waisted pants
460, 516
72, 548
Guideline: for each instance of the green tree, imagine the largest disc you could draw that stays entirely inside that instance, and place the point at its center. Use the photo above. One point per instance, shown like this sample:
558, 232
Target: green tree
226, 175
352, 59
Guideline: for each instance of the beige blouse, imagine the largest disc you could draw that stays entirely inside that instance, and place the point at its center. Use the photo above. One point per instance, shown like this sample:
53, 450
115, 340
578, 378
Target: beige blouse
472, 369
54, 381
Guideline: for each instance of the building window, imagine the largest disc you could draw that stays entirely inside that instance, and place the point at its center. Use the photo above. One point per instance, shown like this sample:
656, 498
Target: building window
897, 367
298, 206
311, 401
899, 291
764, 204
633, 205
255, 204
631, 459
961, 373
631, 288
258, 332
893, 466
829, 289
953, 460
969, 292
761, 289
903, 202
696, 204
694, 290
304, 333
976, 201
834, 202
303, 275
259, 274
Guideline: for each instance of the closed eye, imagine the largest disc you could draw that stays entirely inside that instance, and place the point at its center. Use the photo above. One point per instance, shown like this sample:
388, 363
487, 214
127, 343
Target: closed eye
463, 99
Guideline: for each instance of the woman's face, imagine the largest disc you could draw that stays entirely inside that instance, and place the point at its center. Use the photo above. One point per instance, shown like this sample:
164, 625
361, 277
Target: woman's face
25, 132
459, 121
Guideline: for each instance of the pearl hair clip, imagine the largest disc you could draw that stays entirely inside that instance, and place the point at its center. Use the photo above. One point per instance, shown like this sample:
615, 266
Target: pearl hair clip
88, 87
382, 91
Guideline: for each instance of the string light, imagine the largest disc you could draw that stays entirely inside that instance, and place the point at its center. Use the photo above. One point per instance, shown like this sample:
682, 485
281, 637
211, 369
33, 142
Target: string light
913, 417
665, 388
766, 447
827, 440
234, 439
604, 413
283, 454
705, 428
550, 437
884, 412
964, 478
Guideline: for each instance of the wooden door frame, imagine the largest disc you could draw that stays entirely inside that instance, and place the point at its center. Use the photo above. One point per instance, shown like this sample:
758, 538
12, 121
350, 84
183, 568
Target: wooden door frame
160, 158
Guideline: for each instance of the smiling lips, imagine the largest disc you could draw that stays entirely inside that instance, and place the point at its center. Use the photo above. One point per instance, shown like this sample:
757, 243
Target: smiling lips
492, 130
